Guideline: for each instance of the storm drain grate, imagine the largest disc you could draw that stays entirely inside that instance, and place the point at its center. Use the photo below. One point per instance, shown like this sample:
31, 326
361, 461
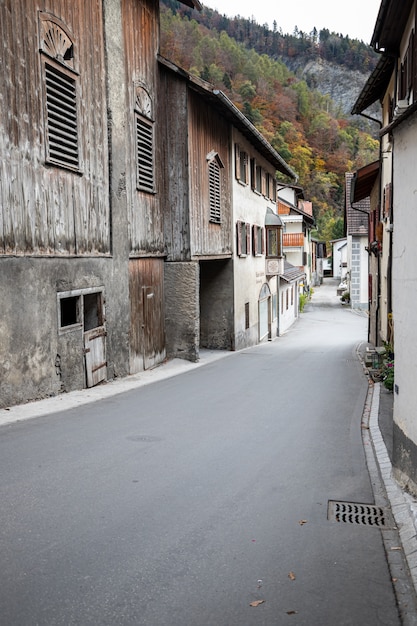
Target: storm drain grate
362, 514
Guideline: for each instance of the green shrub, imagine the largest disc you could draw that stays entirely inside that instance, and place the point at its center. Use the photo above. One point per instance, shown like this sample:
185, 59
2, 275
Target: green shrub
387, 374
302, 301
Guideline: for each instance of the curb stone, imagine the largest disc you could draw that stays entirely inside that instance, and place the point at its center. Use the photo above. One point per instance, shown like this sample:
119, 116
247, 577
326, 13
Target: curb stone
401, 543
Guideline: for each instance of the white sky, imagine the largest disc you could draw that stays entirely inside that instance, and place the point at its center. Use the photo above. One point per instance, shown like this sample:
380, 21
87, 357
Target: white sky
355, 18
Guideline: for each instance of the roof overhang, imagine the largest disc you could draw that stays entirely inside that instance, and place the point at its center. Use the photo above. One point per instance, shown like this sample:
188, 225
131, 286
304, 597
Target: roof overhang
390, 24
376, 85
193, 4
363, 182
225, 107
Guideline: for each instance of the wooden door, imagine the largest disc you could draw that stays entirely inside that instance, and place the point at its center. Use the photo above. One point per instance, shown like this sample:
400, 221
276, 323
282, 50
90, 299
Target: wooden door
147, 325
95, 356
94, 338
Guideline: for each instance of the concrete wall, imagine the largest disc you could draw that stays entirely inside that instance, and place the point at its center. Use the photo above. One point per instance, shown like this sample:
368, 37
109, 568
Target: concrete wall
37, 360
216, 305
182, 310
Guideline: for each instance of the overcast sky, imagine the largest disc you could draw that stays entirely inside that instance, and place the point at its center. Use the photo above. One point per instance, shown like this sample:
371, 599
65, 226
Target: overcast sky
355, 18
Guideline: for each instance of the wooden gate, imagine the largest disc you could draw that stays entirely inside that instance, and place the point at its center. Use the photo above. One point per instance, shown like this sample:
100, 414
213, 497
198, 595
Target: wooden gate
147, 326
95, 356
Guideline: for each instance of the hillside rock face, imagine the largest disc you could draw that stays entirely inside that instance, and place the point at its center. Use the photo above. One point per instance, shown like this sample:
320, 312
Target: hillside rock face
341, 84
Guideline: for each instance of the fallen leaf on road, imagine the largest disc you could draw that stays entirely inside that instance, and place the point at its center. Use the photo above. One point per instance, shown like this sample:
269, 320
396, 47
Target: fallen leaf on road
257, 602
291, 576
302, 522
292, 612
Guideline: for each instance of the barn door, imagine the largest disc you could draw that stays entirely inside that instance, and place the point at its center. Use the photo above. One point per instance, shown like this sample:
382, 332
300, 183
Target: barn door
147, 327
94, 339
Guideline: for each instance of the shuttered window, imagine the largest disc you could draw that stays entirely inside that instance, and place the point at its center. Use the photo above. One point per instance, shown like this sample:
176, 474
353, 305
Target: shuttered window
145, 154
61, 118
214, 192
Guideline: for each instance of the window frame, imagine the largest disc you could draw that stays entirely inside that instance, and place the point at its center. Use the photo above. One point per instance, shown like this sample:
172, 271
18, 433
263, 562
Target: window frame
145, 160
243, 236
258, 240
60, 86
215, 184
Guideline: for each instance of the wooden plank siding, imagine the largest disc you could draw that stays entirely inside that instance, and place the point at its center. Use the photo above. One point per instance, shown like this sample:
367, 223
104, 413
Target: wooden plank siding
45, 209
145, 219
173, 144
147, 325
208, 133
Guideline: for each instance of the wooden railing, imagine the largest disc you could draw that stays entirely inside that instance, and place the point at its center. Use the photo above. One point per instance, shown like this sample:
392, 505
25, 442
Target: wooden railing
293, 240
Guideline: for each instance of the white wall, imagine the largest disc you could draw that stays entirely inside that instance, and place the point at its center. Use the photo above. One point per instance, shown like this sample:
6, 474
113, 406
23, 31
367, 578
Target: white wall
404, 277
249, 271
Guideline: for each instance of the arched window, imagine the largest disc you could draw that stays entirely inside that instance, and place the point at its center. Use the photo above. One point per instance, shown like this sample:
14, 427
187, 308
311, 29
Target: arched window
60, 92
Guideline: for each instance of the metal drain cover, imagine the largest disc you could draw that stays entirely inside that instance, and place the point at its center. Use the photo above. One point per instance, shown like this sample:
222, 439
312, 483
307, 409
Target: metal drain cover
362, 514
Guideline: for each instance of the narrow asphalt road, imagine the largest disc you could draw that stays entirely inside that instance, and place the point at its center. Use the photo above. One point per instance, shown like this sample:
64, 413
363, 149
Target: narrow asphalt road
183, 502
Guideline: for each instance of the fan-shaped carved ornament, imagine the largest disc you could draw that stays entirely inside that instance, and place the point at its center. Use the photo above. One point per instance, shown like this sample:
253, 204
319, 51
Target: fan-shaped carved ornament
143, 102
56, 42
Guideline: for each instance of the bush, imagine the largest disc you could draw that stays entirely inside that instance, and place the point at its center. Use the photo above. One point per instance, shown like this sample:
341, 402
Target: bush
387, 374
302, 302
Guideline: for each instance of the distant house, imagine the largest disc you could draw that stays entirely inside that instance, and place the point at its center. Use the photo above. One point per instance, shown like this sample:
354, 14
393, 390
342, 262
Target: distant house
297, 217
291, 283
339, 258
319, 261
356, 228
222, 232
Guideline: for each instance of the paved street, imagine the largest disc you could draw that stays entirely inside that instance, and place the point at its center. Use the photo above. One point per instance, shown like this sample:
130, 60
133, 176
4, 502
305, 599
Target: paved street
181, 502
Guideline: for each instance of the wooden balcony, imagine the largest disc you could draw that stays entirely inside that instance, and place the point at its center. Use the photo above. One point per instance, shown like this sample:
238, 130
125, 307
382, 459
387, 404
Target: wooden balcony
293, 240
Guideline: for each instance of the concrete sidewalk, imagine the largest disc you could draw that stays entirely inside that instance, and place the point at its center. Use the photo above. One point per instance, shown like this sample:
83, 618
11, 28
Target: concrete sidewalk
106, 389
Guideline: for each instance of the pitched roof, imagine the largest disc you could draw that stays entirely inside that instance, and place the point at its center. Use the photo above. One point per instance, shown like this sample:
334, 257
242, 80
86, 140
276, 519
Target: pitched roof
356, 217
229, 111
291, 272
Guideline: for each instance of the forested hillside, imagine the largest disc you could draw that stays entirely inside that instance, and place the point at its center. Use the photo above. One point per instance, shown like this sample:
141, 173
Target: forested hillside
250, 63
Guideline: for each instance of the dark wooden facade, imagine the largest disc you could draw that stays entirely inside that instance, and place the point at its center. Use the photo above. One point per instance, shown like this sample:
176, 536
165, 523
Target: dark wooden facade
81, 224
48, 210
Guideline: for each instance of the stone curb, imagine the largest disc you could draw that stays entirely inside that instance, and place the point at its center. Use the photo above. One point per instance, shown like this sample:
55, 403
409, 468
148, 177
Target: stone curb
404, 513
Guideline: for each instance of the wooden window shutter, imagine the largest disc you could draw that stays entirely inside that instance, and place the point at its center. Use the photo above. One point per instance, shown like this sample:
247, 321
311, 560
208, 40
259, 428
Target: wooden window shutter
239, 238
61, 117
214, 192
145, 154
253, 174
237, 161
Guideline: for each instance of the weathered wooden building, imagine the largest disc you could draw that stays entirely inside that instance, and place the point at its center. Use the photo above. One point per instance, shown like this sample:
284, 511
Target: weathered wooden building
81, 224
219, 182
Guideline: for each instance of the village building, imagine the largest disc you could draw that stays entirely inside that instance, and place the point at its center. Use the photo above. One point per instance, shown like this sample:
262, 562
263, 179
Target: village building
356, 230
223, 234
82, 243
392, 243
296, 214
